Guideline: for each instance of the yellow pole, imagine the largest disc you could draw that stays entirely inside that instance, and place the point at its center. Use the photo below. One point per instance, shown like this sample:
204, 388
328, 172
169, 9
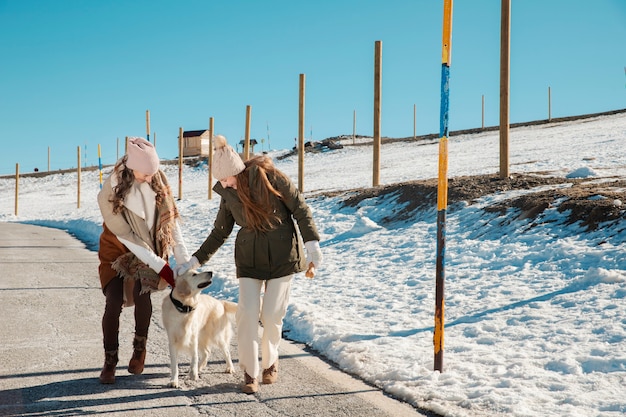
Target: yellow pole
442, 184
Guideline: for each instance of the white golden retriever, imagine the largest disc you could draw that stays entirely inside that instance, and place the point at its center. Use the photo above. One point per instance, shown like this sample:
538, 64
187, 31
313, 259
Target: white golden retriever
195, 322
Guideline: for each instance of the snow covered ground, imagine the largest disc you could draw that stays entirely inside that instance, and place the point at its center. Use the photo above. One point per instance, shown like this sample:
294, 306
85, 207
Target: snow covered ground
535, 317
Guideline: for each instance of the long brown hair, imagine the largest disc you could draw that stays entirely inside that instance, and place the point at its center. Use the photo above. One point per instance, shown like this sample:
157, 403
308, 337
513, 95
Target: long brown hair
256, 197
126, 178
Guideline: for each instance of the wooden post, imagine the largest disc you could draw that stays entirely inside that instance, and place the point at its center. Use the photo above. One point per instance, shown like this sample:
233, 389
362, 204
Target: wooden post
378, 66
78, 181
17, 185
505, 49
301, 103
209, 162
180, 163
246, 140
442, 185
100, 165
414, 122
354, 127
549, 104
483, 112
148, 125
126, 146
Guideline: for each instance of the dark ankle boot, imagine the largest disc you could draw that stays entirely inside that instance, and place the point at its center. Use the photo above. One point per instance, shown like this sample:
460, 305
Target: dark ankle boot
107, 376
135, 366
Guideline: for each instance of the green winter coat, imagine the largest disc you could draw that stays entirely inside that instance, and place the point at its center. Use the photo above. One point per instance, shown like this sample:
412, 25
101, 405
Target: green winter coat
263, 255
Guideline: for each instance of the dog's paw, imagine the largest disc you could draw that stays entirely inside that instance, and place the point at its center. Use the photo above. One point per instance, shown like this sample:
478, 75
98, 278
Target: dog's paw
193, 376
229, 370
173, 384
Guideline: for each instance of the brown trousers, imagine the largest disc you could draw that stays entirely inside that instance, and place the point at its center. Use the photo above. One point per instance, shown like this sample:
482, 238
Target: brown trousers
114, 293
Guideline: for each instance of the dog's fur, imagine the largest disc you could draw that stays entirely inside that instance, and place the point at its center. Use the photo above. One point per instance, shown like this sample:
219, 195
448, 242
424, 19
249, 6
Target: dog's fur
195, 332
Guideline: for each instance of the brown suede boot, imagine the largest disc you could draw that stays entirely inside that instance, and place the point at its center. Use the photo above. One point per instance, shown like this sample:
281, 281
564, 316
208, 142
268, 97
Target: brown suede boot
135, 366
107, 376
250, 385
270, 375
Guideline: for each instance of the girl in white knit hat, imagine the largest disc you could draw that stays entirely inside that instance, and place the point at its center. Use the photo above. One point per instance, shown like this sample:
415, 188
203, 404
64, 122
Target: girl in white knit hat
264, 203
140, 230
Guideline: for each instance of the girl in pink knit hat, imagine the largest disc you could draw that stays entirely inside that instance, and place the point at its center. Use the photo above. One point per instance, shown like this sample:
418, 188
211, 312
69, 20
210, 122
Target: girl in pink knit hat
140, 231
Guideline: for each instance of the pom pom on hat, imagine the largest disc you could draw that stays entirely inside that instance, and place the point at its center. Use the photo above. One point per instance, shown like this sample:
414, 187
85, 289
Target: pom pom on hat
142, 156
226, 162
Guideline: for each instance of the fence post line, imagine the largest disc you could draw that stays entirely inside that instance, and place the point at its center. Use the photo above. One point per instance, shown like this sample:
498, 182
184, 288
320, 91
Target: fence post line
246, 140
378, 64
301, 104
100, 165
17, 185
148, 125
549, 104
442, 185
209, 162
414, 122
180, 163
483, 112
505, 61
78, 180
353, 127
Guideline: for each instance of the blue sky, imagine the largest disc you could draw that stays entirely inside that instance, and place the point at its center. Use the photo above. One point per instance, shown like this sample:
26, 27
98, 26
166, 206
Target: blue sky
82, 73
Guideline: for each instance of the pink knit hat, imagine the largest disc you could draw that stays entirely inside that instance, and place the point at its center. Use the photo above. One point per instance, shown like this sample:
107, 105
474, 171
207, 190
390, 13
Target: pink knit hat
226, 162
142, 156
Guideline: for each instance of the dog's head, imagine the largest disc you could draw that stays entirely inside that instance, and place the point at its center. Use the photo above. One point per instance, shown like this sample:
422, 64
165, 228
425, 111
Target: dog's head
192, 283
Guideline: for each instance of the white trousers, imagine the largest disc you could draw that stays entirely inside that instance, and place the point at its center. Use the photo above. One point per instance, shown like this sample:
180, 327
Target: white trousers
271, 311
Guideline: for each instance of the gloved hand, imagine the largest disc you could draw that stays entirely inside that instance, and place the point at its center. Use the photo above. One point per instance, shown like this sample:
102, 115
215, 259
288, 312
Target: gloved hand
168, 275
313, 253
192, 263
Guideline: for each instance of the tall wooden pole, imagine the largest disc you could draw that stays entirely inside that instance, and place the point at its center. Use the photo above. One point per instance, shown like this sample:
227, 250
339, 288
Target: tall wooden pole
414, 122
17, 185
549, 104
180, 163
483, 112
442, 184
354, 127
378, 83
301, 96
209, 162
78, 176
505, 49
246, 141
148, 125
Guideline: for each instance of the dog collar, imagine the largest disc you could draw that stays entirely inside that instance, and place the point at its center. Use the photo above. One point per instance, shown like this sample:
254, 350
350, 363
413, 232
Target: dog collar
180, 306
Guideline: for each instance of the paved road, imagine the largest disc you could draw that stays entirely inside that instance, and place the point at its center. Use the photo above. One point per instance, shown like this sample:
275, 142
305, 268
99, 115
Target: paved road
51, 351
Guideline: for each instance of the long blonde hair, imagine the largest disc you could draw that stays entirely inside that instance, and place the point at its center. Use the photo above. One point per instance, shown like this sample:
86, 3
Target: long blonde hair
258, 209
126, 178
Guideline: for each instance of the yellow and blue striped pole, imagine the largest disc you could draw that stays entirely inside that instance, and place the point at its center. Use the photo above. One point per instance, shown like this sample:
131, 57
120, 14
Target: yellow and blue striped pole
442, 184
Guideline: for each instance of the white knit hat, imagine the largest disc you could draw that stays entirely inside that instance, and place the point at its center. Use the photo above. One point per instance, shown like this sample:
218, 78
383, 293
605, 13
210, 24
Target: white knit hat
226, 162
142, 156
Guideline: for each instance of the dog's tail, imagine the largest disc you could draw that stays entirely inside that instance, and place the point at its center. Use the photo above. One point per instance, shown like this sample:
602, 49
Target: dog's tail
230, 307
